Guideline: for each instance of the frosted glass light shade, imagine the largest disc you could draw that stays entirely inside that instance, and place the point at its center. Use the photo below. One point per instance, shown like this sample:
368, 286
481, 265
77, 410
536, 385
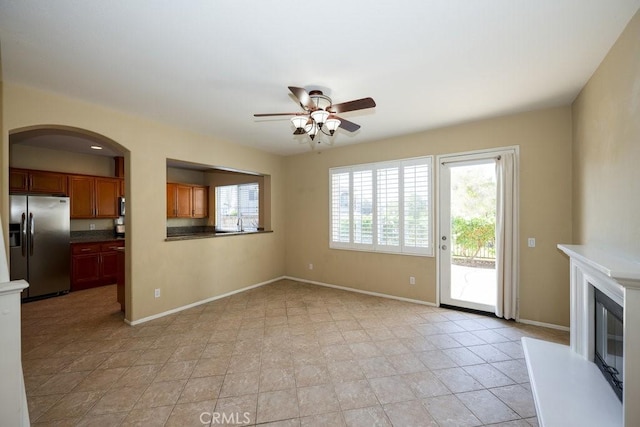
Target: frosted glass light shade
319, 116
299, 121
332, 124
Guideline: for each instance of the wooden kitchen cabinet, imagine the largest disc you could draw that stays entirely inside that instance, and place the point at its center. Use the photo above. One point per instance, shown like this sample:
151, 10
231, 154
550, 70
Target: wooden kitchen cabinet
187, 201
109, 253
184, 198
94, 197
200, 202
107, 193
82, 195
34, 181
94, 264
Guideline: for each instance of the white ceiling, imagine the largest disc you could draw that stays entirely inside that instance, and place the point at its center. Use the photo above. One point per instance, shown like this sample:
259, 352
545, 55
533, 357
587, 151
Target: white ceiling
209, 65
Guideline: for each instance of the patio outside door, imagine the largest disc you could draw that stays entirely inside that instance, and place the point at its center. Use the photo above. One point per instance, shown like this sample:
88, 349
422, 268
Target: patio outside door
467, 241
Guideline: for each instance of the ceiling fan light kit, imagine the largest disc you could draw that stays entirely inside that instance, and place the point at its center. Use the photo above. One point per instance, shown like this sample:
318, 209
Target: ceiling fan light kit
320, 113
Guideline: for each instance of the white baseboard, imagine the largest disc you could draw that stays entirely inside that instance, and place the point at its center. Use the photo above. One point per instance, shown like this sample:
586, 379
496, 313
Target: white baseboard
375, 294
197, 303
313, 282
544, 325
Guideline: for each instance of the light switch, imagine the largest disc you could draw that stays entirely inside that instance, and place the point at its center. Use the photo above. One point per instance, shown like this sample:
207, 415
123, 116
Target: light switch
531, 242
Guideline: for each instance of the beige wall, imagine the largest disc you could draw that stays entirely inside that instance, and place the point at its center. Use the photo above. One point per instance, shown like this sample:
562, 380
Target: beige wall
606, 129
544, 138
185, 271
185, 176
24, 156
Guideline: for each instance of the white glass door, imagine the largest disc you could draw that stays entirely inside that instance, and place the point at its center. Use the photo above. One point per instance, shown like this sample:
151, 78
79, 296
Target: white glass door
467, 246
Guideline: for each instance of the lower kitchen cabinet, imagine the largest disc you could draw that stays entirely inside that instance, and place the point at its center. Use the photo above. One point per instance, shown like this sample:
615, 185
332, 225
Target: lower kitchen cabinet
94, 264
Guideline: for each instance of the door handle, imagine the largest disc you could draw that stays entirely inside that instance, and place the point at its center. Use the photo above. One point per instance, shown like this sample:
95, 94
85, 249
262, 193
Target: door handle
444, 247
31, 229
23, 227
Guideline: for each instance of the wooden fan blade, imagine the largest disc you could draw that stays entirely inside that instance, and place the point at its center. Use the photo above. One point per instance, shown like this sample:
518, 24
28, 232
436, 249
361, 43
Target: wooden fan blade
358, 104
303, 97
347, 125
277, 114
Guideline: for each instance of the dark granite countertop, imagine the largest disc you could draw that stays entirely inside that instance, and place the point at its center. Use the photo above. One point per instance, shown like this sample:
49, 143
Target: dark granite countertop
190, 233
93, 236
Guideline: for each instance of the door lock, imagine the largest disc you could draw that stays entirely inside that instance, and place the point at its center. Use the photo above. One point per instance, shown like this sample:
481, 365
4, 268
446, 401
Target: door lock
444, 237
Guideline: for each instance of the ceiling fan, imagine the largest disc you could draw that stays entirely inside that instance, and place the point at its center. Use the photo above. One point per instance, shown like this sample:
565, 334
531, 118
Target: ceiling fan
320, 112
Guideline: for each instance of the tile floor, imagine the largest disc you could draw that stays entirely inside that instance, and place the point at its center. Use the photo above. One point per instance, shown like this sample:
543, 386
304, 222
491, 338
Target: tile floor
285, 354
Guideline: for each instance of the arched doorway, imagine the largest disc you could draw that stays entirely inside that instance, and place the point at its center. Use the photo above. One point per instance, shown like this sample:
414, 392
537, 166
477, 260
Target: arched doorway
93, 168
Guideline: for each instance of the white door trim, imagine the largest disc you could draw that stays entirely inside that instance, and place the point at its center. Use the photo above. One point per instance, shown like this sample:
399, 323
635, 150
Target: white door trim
455, 157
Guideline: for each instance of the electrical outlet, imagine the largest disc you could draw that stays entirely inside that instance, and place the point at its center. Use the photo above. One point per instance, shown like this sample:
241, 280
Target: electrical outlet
157, 293
310, 266
92, 226
412, 280
531, 242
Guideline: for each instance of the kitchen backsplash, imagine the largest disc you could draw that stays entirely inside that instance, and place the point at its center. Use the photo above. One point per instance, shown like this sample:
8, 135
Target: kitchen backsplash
186, 222
85, 224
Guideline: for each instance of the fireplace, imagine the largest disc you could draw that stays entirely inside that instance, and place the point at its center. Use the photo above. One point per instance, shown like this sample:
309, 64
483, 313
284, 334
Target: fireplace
567, 383
609, 338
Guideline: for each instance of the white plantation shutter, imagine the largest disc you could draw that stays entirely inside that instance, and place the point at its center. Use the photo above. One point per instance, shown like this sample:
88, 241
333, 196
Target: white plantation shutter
340, 208
388, 207
363, 207
417, 221
383, 207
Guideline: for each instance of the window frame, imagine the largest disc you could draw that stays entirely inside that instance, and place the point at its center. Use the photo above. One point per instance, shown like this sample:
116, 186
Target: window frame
402, 247
239, 207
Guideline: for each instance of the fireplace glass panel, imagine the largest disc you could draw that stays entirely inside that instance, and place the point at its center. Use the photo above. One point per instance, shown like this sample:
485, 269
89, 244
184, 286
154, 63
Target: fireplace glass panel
609, 340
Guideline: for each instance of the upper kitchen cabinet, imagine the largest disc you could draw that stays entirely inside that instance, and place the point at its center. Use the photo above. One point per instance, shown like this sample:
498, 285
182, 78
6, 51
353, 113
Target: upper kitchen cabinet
107, 193
34, 181
187, 201
94, 197
200, 202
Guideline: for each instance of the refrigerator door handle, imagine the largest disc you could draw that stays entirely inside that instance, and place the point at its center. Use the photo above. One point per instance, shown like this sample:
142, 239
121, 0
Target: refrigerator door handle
31, 230
23, 230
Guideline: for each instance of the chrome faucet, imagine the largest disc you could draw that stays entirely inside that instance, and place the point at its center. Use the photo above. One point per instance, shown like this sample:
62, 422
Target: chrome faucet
240, 224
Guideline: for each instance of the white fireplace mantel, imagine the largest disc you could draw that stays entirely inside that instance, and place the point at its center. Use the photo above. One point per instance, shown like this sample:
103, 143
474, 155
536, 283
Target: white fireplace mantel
618, 276
619, 267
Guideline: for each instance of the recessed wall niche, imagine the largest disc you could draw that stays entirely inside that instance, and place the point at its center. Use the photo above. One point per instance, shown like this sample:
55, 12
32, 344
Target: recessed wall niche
199, 176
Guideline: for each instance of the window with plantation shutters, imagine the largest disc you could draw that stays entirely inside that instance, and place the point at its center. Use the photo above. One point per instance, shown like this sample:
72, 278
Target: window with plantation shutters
383, 207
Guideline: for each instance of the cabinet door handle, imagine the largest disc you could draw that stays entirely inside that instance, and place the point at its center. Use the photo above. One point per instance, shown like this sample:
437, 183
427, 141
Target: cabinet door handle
85, 249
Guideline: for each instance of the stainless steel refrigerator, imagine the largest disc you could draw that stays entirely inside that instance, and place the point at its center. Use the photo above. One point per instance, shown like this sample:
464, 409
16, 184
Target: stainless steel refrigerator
39, 243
